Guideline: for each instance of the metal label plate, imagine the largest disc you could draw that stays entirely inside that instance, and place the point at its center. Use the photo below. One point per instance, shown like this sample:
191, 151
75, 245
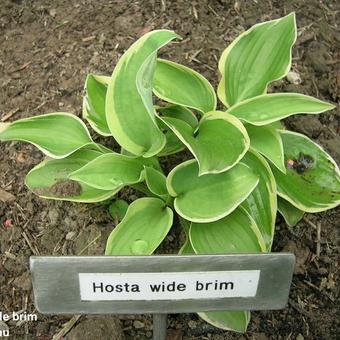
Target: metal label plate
160, 284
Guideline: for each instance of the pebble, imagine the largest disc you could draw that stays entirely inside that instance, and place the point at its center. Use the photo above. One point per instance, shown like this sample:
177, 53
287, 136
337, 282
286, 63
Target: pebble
294, 78
138, 324
70, 235
53, 216
192, 324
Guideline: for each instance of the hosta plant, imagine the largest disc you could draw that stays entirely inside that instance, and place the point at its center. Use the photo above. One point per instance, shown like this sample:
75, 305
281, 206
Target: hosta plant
244, 166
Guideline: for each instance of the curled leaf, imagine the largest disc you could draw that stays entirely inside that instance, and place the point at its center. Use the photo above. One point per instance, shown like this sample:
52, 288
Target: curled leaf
257, 57
56, 134
209, 197
261, 204
130, 114
94, 103
173, 143
269, 108
178, 84
267, 141
218, 144
156, 182
290, 213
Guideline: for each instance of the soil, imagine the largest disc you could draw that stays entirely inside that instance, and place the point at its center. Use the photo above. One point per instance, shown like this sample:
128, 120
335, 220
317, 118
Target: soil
46, 50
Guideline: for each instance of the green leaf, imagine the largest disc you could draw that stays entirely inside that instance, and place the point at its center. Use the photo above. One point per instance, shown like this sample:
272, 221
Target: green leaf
130, 114
312, 181
186, 248
118, 209
156, 182
278, 125
56, 134
178, 84
291, 214
173, 144
111, 171
261, 204
267, 141
223, 236
150, 161
94, 103
236, 321
209, 197
50, 180
145, 225
179, 112
257, 57
268, 108
218, 144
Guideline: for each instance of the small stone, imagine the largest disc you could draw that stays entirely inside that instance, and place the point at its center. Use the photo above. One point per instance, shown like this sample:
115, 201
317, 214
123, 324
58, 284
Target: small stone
294, 78
53, 216
21, 158
300, 337
70, 235
52, 12
192, 324
138, 324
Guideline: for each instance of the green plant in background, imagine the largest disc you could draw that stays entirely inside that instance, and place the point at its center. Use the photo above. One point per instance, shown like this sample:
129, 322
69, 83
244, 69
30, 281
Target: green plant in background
243, 158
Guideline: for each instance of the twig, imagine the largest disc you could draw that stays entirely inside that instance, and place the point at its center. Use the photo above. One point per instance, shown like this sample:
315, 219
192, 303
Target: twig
9, 114
298, 309
318, 239
34, 251
94, 240
163, 6
213, 11
88, 38
193, 57
310, 223
21, 68
67, 327
194, 12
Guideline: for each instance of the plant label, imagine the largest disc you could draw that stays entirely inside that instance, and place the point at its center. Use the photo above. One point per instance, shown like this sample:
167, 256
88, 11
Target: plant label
160, 284
168, 286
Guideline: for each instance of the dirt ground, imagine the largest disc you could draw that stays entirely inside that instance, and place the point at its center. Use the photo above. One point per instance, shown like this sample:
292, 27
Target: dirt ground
46, 50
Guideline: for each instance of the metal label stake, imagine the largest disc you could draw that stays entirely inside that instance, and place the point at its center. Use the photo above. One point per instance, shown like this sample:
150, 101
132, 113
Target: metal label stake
159, 326
160, 284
